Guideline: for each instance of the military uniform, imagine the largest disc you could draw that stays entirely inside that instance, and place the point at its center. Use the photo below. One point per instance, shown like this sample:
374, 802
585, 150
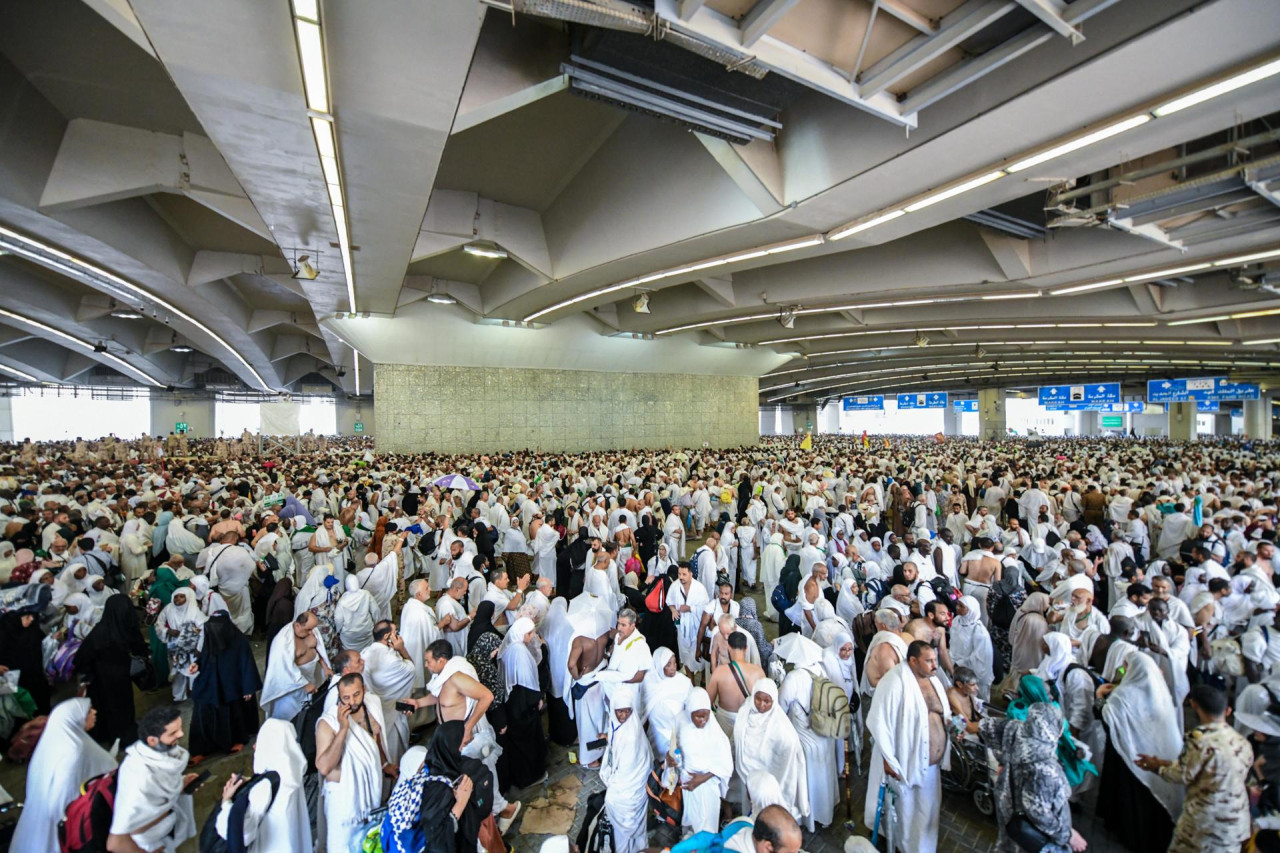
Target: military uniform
1213, 766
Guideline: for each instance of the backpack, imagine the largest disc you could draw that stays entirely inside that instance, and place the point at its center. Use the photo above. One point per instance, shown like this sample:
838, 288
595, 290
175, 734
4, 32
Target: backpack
596, 834
211, 841
25, 740
88, 818
864, 628
654, 601
829, 714
943, 591
304, 724
779, 599
710, 842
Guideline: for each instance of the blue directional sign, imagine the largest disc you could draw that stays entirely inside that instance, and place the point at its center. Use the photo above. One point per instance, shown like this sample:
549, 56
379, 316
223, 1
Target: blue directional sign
859, 404
1206, 389
1059, 397
933, 400
1132, 407
1206, 408
965, 405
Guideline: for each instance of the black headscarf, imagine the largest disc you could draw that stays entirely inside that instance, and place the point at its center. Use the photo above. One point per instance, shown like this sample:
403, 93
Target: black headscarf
119, 629
790, 576
578, 550
482, 623
445, 758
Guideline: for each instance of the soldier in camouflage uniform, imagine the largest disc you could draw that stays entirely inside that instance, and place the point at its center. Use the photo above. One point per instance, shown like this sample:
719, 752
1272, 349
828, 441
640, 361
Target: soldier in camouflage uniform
1213, 766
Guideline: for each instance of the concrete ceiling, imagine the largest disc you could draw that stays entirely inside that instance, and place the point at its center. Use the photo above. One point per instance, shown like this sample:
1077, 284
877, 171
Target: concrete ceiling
167, 147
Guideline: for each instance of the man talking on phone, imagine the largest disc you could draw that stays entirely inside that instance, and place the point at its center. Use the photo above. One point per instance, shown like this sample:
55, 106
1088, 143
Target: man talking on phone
389, 673
153, 810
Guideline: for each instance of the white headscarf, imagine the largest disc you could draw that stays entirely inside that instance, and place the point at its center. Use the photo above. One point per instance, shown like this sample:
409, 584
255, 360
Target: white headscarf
64, 758
1054, 665
286, 827
519, 665
706, 749
1142, 720
838, 669
769, 742
175, 616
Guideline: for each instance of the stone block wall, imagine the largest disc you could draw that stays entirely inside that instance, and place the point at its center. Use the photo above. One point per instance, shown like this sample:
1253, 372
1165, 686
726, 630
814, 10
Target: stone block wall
449, 409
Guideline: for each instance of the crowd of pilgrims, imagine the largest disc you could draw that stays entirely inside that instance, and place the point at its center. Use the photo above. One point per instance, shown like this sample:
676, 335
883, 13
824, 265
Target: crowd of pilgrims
1088, 623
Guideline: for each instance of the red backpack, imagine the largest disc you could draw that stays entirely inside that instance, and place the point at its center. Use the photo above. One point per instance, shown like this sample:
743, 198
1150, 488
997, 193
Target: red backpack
88, 820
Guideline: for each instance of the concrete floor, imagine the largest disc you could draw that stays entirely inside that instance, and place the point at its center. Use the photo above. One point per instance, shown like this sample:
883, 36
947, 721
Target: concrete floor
963, 828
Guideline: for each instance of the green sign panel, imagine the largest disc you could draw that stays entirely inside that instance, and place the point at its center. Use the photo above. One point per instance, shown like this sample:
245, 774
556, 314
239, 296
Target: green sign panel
1113, 421
180, 426
359, 426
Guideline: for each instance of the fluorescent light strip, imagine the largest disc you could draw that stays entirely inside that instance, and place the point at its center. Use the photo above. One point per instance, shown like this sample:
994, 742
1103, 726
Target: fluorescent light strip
952, 192
790, 246
78, 342
1081, 288
1129, 279
311, 53
81, 268
1220, 88
18, 373
1246, 259
997, 296
1217, 319
1246, 314
355, 354
864, 225
1261, 341
1080, 142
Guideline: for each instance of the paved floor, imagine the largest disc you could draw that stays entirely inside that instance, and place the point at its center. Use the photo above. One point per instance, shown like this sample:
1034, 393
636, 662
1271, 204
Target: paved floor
963, 827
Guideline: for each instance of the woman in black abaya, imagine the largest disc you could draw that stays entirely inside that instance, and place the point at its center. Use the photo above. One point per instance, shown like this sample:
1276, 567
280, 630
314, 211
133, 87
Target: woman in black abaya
445, 758
524, 746
225, 715
104, 661
483, 641
20, 639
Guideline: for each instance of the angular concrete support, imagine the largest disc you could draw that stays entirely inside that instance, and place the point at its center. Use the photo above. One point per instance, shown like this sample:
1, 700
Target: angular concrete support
991, 424
1257, 418
1182, 421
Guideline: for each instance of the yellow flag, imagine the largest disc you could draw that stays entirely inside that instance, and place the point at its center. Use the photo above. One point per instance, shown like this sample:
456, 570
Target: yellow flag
886, 444
807, 444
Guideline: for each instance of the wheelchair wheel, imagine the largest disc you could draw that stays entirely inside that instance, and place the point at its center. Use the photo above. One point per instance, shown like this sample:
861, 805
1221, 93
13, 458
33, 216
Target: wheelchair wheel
983, 801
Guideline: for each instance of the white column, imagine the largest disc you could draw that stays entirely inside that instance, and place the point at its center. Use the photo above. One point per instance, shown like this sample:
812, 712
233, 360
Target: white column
6, 419
1182, 421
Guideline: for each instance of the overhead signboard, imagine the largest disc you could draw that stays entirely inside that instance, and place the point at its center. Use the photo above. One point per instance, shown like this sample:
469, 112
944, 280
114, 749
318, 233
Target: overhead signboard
1206, 408
965, 405
1113, 421
932, 400
864, 403
1200, 390
180, 426
1062, 397
1133, 407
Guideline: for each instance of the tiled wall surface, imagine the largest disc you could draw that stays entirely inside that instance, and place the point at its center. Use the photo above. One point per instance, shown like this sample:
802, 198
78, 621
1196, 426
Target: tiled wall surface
473, 409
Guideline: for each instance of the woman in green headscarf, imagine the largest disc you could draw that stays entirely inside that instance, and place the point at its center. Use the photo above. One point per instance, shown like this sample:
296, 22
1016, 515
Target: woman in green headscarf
158, 596
1032, 690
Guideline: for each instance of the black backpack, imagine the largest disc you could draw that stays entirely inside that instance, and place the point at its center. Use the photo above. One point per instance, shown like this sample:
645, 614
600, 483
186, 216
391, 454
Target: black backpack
304, 724
943, 591
211, 841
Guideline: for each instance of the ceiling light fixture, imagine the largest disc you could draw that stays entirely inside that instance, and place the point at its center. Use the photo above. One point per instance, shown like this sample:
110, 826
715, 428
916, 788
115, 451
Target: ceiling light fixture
95, 348
640, 304
1247, 259
1129, 279
485, 249
304, 270
1261, 341
311, 54
1080, 142
126, 314
53, 258
439, 297
1222, 87
180, 348
789, 246
787, 318
952, 192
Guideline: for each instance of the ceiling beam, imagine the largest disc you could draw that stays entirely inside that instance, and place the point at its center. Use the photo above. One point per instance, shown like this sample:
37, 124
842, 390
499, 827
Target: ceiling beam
909, 16
719, 289
753, 167
762, 17
965, 21
1050, 12
791, 62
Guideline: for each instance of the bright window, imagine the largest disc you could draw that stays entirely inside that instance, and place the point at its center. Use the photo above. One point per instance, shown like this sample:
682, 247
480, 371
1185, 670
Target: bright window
318, 414
62, 414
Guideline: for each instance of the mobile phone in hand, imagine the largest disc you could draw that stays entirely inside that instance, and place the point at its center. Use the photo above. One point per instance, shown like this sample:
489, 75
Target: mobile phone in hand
406, 707
197, 782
